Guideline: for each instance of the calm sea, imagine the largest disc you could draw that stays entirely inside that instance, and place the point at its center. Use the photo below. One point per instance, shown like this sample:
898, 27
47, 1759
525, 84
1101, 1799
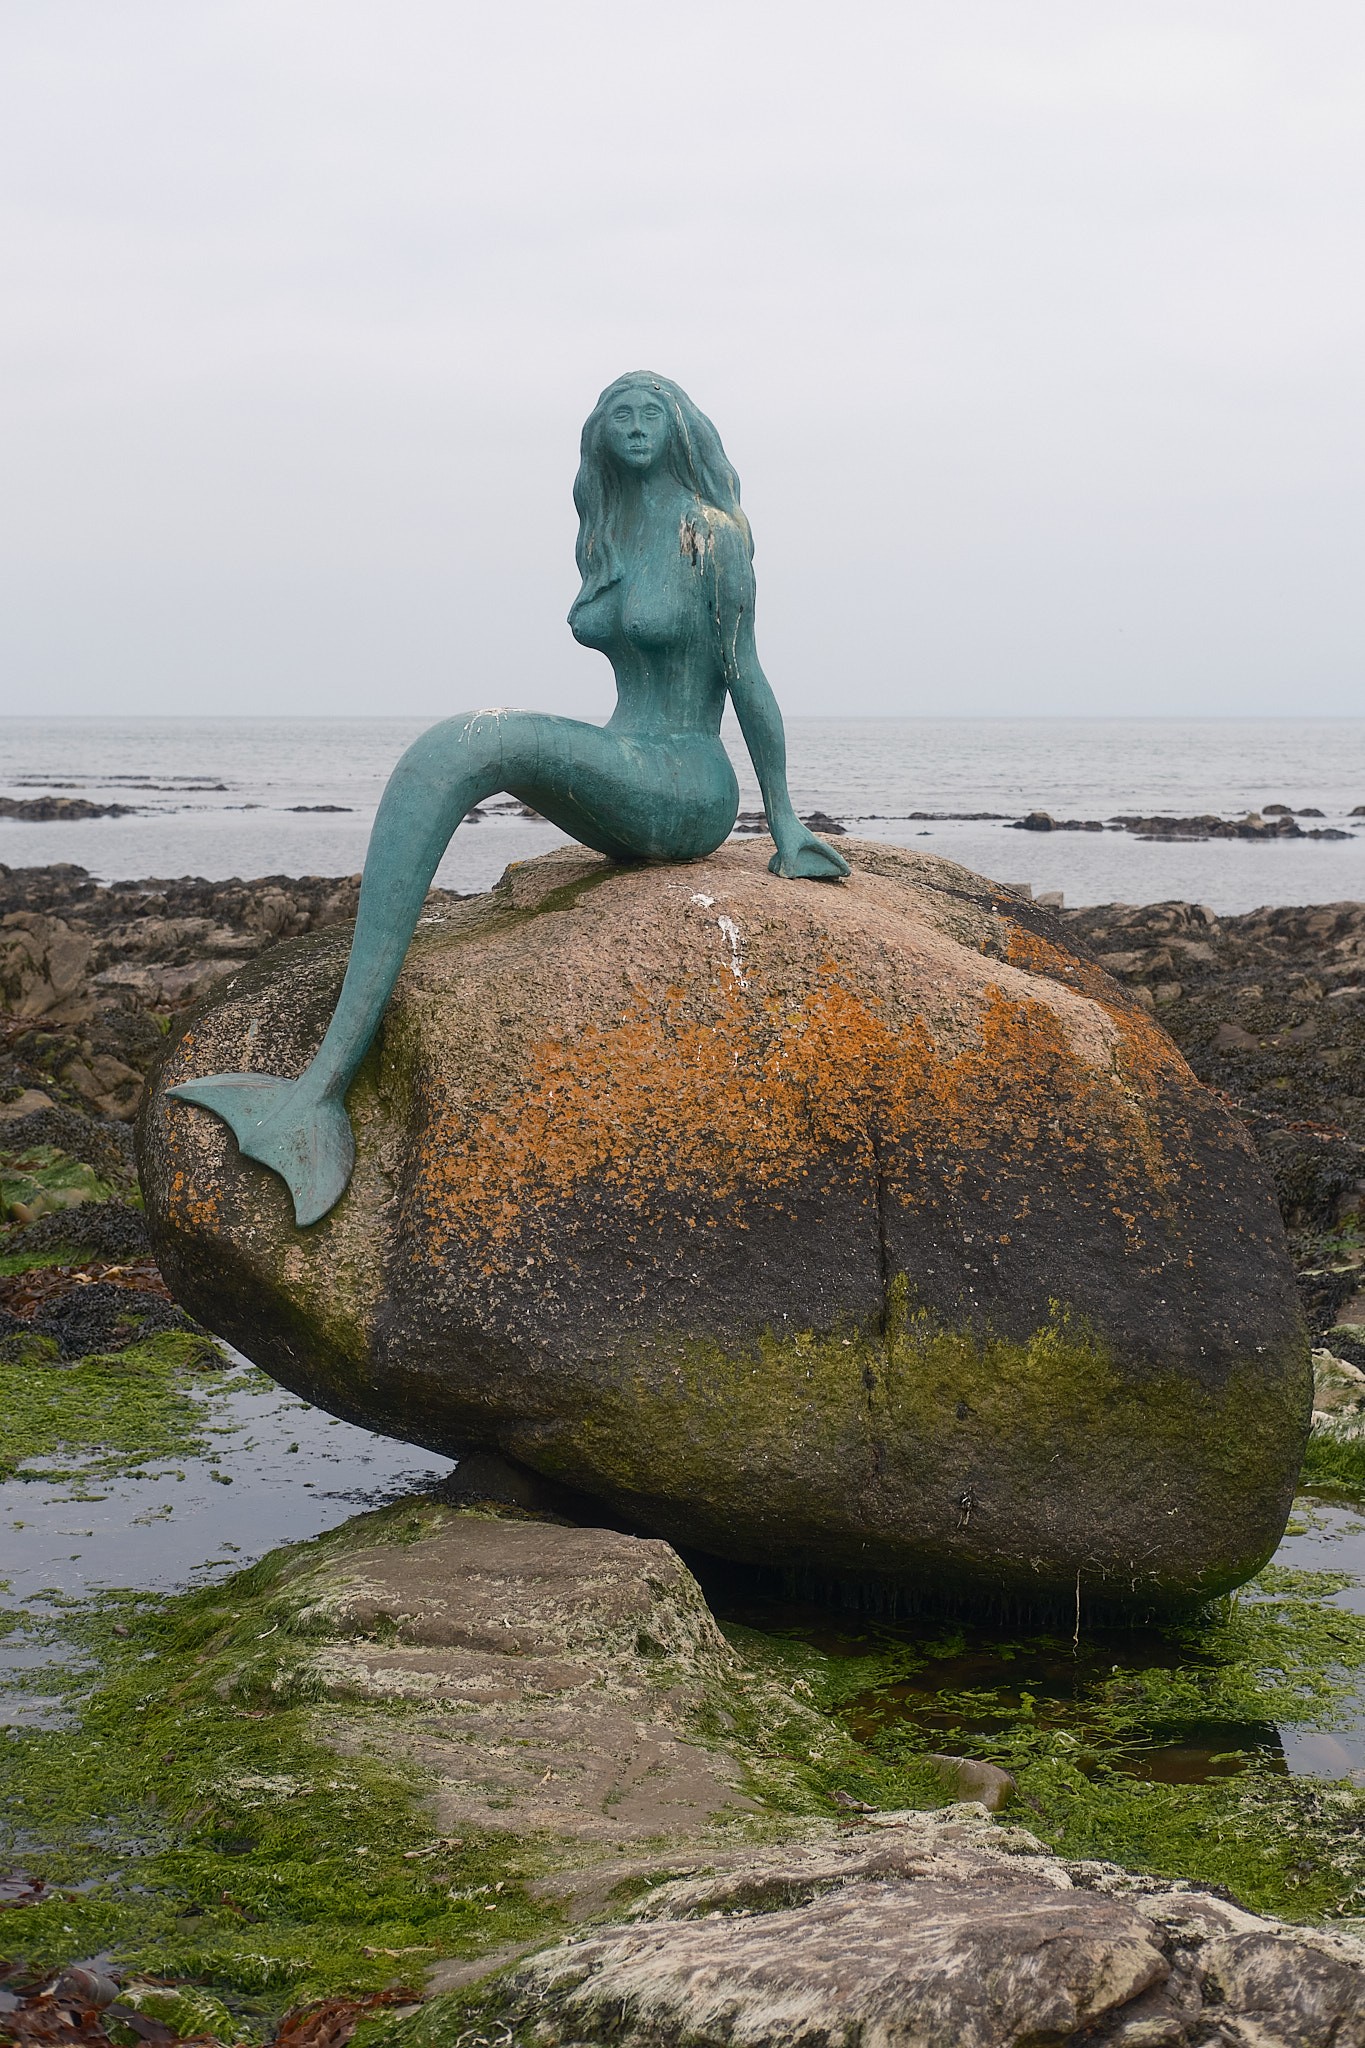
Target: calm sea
869, 772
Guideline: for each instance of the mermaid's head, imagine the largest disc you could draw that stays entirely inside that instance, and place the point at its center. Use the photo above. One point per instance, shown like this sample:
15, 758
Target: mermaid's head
691, 451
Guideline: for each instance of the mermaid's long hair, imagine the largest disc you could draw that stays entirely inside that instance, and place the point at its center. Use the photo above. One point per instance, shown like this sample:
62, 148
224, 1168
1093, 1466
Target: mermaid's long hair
695, 457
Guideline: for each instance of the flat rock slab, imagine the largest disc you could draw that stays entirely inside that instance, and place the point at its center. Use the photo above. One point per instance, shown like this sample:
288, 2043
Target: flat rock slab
937, 1932
560, 1677
971, 1964
869, 1230
564, 1669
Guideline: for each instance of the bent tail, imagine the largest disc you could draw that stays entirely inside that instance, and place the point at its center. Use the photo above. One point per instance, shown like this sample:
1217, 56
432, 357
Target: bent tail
302, 1135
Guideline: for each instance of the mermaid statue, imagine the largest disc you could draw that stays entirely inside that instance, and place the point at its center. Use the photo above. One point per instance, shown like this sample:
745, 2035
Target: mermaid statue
666, 559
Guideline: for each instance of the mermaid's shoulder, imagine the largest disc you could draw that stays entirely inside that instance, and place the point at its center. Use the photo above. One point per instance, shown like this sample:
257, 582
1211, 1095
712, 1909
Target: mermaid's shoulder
729, 545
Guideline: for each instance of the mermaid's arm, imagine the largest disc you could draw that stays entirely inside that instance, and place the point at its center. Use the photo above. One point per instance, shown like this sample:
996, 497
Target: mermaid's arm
799, 852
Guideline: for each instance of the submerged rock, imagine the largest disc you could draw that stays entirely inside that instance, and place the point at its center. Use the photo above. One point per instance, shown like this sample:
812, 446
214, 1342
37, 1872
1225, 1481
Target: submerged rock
869, 1231
47, 810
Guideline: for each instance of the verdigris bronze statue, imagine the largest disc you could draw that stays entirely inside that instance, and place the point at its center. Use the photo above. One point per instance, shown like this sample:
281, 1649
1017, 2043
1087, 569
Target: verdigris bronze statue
666, 558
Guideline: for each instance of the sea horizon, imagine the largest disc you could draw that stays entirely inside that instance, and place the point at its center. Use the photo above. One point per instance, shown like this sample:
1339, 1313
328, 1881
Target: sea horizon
235, 794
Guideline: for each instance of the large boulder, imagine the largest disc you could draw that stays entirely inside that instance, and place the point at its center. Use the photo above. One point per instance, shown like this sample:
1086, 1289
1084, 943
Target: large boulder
868, 1230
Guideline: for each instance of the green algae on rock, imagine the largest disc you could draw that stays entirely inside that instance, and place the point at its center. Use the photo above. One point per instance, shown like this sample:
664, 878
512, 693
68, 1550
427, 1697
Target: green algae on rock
272, 1786
112, 1413
42, 1180
331, 1768
871, 1231
203, 1838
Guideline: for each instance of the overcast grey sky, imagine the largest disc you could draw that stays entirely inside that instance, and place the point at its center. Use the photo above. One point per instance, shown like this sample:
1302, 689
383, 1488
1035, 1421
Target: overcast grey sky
1035, 332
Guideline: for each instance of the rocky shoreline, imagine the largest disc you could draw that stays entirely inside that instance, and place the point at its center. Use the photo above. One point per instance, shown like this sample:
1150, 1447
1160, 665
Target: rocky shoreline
1272, 821
1277, 821
584, 1752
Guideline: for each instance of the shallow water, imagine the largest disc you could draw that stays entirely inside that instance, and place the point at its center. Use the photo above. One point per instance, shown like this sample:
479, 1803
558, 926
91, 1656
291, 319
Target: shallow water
869, 772
280, 1471
1057, 1675
1060, 1671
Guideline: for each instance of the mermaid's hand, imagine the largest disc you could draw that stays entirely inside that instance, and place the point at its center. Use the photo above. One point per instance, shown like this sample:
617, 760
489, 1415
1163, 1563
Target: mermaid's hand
801, 856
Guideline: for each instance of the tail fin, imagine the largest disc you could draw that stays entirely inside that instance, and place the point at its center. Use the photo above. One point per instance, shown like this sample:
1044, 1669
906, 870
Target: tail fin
303, 1137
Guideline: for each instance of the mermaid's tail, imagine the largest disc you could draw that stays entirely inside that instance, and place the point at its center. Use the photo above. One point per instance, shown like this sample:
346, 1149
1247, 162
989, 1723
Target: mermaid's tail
304, 1136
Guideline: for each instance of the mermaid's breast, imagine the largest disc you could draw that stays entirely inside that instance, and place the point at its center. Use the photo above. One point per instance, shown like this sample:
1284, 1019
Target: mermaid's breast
596, 621
658, 615
652, 614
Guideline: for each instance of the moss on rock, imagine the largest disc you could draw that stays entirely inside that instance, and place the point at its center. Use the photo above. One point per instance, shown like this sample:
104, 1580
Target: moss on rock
870, 1228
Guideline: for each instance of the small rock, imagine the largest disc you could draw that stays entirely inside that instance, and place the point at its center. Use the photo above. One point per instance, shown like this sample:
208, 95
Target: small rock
49, 810
1326, 1362
1338, 1389
972, 1779
31, 1099
107, 1085
83, 1984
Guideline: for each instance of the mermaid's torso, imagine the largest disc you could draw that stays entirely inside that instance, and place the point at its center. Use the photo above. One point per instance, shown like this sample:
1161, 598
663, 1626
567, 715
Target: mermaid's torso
656, 626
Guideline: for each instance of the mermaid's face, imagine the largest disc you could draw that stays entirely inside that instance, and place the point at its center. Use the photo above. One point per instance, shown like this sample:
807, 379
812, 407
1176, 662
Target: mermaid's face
637, 428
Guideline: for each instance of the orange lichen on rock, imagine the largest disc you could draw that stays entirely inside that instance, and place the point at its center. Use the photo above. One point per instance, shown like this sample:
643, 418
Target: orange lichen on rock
192, 1197
784, 1218
757, 1092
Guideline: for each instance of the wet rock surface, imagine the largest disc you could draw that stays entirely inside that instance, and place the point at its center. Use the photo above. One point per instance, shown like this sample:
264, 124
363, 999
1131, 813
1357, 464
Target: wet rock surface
868, 1229
89, 1309
565, 1671
941, 1931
